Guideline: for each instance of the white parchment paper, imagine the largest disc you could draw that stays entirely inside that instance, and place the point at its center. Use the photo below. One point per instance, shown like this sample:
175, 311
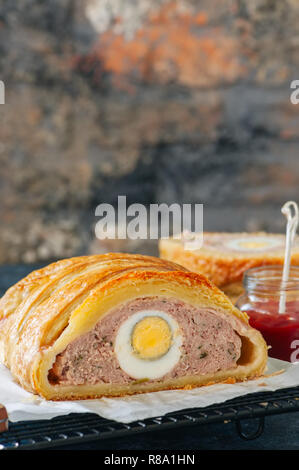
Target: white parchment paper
22, 405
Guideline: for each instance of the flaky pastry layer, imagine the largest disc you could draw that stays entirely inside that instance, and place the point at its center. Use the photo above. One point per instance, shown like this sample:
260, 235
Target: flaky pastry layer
50, 308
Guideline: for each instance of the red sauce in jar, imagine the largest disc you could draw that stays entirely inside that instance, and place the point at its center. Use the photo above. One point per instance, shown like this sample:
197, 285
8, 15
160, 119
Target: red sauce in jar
281, 331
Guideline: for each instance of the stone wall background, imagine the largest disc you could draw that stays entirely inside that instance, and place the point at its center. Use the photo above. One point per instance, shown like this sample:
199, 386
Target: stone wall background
164, 101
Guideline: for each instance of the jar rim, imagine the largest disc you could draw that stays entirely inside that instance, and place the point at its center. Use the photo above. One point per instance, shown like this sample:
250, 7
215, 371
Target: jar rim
269, 277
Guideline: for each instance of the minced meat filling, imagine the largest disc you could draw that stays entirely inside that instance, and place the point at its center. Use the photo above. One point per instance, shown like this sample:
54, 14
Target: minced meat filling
210, 344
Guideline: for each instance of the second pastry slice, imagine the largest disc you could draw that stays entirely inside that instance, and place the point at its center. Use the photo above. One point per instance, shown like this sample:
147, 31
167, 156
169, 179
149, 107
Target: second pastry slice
224, 257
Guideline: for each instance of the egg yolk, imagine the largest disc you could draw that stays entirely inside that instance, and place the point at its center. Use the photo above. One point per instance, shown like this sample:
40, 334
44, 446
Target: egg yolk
151, 337
252, 245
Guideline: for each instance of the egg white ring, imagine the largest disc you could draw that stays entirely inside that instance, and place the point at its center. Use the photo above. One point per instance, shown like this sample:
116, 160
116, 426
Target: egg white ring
270, 243
146, 368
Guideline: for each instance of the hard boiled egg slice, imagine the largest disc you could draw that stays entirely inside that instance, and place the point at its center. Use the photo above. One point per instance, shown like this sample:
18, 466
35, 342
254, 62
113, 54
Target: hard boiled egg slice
147, 344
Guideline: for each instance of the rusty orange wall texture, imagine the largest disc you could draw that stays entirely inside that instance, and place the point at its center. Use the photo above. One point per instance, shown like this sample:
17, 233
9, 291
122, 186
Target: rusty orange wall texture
163, 101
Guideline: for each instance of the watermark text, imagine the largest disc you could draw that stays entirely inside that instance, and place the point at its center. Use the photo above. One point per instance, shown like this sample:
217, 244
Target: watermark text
2, 92
137, 221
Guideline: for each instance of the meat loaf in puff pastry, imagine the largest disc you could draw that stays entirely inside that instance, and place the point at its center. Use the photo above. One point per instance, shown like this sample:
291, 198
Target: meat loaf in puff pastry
117, 324
224, 257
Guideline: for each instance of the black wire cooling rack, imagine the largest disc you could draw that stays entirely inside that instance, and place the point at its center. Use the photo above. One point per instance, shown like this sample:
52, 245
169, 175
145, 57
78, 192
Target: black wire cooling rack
81, 428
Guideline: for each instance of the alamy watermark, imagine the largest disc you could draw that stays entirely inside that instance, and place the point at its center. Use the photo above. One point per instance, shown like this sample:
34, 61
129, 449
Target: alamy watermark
294, 97
2, 92
295, 354
155, 221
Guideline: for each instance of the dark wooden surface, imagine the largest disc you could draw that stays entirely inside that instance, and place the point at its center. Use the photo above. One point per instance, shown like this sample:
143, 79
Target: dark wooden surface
281, 431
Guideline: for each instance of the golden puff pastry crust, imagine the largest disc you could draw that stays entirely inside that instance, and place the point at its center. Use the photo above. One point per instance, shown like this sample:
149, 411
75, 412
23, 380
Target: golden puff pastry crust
224, 257
52, 308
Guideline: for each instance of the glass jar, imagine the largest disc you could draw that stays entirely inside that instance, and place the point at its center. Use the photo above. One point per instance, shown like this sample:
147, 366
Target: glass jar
263, 291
